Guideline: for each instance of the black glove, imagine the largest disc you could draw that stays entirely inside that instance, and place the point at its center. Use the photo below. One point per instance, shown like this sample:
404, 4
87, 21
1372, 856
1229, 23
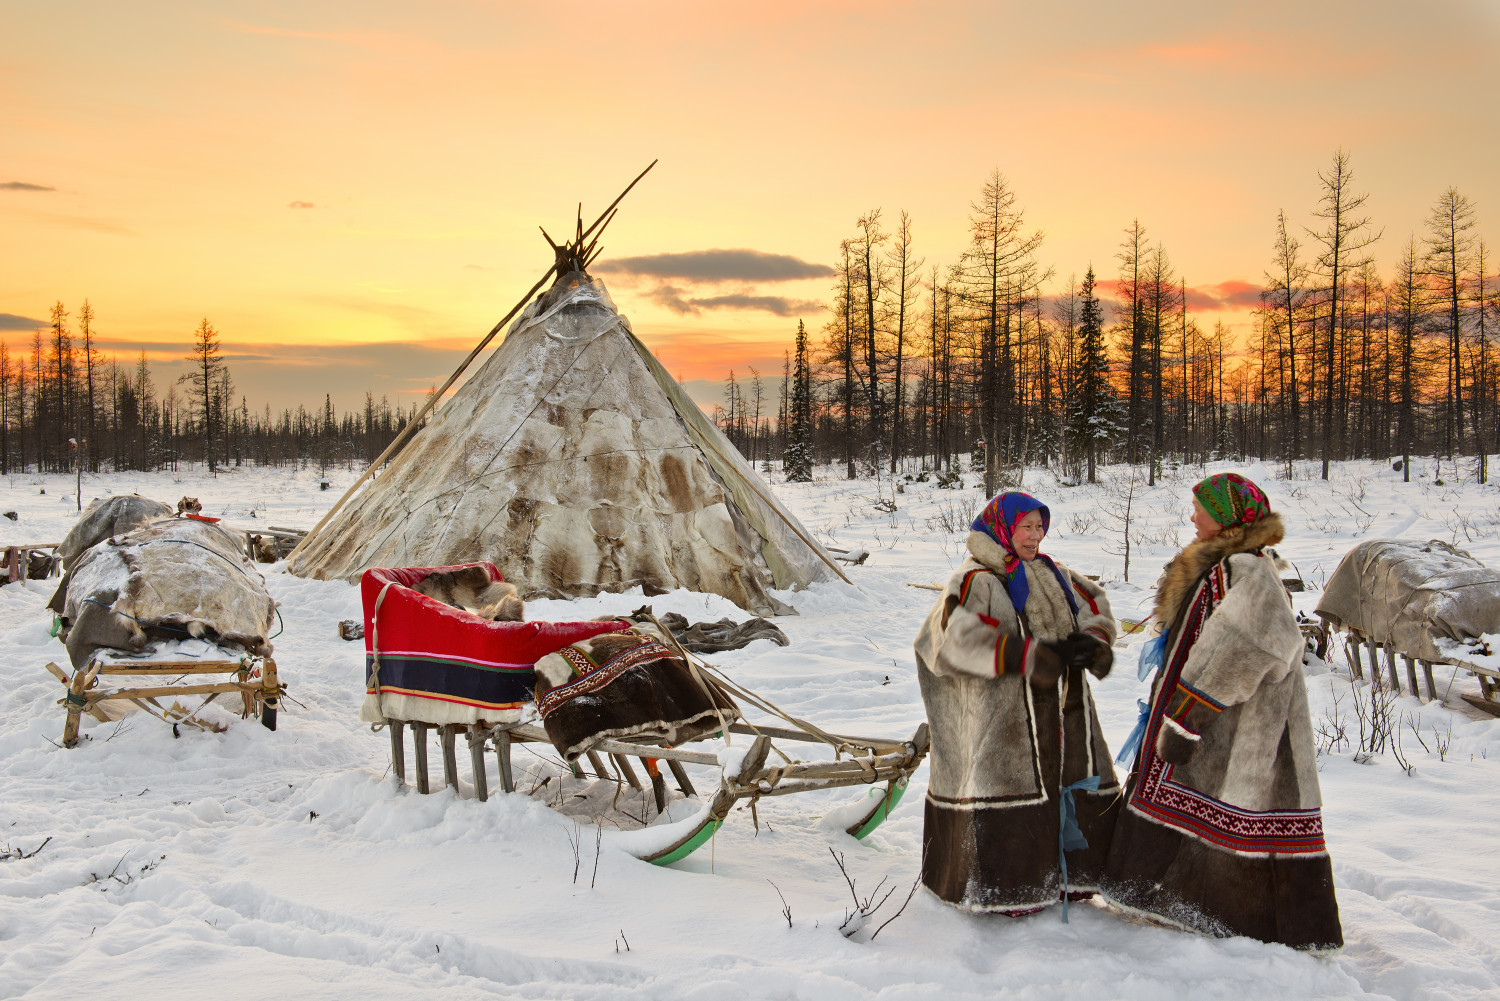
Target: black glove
1048, 661
1089, 653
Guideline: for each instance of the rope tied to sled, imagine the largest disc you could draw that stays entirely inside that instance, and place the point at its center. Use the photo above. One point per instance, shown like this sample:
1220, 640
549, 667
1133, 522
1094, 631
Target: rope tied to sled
839, 745
374, 680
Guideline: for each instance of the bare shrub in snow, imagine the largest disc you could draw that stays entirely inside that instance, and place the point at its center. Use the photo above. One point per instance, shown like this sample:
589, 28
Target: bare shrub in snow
1373, 713
1082, 522
786, 908
954, 514
866, 907
1118, 503
1333, 728
1442, 739
1469, 524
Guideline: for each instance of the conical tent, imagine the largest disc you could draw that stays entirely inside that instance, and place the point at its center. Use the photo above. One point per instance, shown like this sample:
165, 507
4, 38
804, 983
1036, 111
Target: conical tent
575, 463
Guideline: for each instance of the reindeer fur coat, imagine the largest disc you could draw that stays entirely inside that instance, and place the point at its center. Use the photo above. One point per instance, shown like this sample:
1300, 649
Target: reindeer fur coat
997, 764
1228, 840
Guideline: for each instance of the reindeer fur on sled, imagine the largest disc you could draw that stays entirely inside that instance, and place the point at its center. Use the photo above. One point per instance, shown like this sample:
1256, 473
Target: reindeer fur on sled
471, 589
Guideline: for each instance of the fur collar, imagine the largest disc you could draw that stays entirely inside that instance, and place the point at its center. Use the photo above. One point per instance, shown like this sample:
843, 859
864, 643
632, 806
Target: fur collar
1181, 576
987, 551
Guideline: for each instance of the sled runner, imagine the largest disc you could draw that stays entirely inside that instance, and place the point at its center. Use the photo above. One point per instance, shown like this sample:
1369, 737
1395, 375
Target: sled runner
617, 689
1426, 602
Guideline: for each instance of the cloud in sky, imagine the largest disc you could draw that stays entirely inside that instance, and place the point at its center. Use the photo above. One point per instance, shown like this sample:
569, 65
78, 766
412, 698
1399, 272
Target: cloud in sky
1233, 295
300, 205
24, 186
718, 266
10, 321
678, 301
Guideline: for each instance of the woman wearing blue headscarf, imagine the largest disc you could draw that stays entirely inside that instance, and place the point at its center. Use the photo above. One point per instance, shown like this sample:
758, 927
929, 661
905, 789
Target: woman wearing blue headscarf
1022, 794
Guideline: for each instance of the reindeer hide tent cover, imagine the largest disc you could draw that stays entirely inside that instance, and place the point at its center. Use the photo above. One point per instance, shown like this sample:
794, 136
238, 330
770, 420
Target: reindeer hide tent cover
575, 463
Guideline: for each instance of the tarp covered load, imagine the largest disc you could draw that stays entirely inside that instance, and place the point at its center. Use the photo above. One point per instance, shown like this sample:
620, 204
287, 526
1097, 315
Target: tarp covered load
1406, 594
106, 517
428, 662
174, 578
576, 464
626, 686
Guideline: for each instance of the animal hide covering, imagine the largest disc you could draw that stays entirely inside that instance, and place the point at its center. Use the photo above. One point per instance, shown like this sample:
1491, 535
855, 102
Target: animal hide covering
108, 516
626, 686
172, 579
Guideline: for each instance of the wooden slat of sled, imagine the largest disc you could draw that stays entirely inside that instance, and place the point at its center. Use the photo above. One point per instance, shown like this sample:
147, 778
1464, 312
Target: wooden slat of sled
171, 667
260, 695
784, 733
1486, 698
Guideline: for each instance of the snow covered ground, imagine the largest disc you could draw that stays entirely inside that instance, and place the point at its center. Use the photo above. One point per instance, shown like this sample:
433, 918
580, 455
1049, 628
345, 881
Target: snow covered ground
252, 864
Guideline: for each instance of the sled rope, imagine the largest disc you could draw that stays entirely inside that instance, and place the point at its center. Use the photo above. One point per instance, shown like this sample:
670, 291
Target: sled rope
689, 660
375, 651
753, 699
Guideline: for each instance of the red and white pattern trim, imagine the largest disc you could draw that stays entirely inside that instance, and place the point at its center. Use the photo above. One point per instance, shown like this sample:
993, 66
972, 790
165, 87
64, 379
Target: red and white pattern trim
596, 676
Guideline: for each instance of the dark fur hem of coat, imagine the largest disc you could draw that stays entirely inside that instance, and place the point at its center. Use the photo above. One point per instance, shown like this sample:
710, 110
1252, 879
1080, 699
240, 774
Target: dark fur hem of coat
1287, 899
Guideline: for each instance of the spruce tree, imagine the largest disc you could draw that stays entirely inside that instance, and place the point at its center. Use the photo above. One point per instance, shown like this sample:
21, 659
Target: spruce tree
799, 460
1094, 420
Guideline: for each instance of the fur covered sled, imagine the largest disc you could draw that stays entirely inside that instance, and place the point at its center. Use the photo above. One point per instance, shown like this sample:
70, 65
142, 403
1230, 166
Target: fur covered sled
616, 689
1427, 602
173, 598
106, 517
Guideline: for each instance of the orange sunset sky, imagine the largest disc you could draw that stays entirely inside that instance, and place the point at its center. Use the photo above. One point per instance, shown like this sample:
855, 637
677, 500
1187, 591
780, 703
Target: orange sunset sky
349, 191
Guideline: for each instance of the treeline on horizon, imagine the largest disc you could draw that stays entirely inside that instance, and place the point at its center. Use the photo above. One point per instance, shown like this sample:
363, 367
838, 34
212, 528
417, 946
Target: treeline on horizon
63, 403
919, 365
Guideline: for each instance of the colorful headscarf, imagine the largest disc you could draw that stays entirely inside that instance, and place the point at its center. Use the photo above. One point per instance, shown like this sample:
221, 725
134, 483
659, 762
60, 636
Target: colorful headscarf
998, 520
1230, 499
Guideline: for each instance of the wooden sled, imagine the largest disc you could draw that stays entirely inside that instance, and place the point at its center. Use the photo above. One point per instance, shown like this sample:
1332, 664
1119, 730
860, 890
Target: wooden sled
254, 679
1357, 645
884, 767
33, 561
434, 667
1426, 602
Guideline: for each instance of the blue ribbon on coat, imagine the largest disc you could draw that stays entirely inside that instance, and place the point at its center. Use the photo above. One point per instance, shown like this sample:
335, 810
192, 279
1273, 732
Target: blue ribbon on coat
1133, 742
1151, 659
1069, 836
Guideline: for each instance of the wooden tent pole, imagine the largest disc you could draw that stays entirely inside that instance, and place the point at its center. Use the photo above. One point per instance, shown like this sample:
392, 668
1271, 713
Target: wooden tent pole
604, 219
411, 427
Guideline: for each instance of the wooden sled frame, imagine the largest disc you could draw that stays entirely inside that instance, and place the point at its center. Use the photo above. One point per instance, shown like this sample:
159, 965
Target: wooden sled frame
256, 681
885, 762
1489, 679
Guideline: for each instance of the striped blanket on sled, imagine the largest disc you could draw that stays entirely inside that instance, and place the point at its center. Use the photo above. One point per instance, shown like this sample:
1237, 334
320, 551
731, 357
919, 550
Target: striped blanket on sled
433, 663
626, 686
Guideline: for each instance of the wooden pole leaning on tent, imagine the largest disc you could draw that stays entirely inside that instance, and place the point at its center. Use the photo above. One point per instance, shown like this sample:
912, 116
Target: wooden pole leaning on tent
578, 252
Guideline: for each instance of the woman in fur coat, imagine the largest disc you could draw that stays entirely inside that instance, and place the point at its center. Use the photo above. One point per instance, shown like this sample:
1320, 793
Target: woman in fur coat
1222, 831
1018, 763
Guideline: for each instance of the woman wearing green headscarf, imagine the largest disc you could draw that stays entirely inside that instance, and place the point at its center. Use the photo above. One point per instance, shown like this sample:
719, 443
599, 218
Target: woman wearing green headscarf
1222, 832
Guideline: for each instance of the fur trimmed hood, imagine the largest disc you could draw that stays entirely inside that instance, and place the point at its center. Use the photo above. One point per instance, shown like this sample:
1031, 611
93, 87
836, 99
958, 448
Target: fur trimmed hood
1187, 567
987, 551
